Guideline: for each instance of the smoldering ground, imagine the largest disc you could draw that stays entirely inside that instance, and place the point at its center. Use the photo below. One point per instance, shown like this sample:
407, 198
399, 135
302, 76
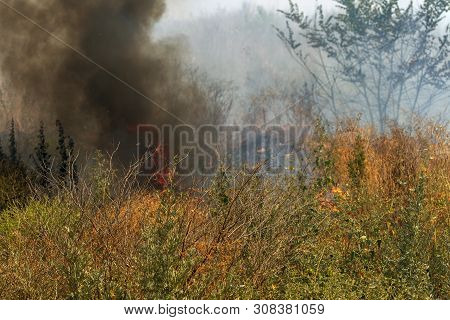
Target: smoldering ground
54, 81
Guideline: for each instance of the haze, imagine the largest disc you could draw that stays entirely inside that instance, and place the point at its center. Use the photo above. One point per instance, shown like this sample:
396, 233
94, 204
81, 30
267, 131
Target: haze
184, 9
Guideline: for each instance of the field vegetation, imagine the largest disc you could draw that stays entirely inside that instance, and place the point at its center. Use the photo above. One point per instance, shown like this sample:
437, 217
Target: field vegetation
366, 217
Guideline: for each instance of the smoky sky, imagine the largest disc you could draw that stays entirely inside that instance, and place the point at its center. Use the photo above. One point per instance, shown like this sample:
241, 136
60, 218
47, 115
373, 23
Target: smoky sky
55, 82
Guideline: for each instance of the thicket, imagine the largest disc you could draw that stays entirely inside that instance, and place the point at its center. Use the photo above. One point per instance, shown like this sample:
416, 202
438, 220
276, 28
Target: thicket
370, 220
38, 173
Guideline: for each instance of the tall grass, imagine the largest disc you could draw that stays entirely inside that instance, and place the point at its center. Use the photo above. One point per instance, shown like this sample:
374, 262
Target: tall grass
371, 221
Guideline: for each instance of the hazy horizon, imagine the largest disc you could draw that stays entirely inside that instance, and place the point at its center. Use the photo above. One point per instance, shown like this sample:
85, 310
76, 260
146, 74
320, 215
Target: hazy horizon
186, 9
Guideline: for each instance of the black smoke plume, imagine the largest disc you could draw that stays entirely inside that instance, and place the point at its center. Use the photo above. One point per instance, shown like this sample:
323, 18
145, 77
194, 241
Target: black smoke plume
56, 82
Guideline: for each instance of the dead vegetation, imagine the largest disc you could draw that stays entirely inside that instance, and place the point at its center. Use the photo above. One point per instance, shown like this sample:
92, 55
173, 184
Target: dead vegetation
370, 221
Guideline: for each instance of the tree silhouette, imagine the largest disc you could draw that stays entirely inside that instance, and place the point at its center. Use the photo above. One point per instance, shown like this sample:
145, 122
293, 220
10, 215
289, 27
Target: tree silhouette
12, 144
374, 56
62, 148
42, 158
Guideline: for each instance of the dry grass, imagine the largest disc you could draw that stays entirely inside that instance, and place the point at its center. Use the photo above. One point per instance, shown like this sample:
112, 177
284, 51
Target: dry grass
371, 222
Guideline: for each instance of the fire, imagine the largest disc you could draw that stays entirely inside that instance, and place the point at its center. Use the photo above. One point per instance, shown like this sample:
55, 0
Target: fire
162, 171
